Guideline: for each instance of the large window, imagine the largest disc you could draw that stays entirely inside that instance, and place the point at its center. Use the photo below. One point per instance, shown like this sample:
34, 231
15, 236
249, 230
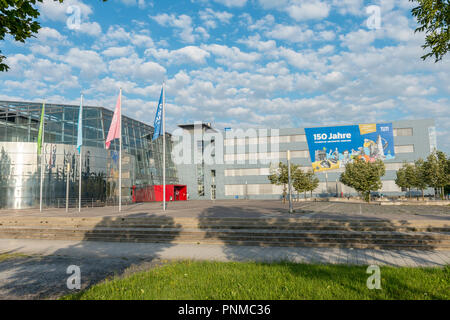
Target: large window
404, 149
403, 132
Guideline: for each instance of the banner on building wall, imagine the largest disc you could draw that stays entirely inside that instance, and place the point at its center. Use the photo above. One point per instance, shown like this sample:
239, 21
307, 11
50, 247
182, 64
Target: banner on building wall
333, 147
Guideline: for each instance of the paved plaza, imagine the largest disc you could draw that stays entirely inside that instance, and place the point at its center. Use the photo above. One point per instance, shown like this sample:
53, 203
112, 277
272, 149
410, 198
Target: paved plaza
41, 271
251, 209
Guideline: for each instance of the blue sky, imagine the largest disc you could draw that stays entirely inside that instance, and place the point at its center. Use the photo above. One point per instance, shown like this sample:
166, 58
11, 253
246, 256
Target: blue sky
235, 63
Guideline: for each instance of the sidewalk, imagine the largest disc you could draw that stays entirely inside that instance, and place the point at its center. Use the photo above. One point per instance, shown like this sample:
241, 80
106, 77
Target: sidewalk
162, 251
42, 272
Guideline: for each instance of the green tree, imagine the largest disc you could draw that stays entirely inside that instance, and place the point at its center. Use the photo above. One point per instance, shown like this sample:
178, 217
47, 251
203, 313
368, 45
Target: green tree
420, 181
299, 181
437, 172
19, 19
364, 176
312, 181
279, 176
433, 17
406, 177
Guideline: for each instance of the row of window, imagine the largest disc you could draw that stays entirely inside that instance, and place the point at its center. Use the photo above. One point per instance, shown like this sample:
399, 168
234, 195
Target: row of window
294, 154
398, 132
324, 187
266, 171
265, 156
265, 140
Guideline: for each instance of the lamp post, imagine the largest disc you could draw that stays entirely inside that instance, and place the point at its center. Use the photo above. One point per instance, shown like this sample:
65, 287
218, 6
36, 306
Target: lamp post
288, 156
67, 186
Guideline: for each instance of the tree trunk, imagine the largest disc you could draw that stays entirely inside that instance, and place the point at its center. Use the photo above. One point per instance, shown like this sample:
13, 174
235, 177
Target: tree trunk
311, 194
423, 197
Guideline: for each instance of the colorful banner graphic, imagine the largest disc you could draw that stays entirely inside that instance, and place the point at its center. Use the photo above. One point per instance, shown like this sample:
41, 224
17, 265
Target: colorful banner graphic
333, 147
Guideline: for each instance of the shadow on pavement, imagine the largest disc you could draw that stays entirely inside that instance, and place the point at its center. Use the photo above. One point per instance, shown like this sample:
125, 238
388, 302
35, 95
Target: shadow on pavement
42, 277
310, 232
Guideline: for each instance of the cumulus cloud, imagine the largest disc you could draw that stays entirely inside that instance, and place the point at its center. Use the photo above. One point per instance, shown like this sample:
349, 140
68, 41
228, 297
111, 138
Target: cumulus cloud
88, 62
235, 67
211, 18
55, 11
189, 54
136, 68
182, 22
232, 3
308, 10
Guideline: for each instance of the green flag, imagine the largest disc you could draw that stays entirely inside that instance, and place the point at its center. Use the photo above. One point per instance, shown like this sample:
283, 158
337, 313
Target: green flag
41, 130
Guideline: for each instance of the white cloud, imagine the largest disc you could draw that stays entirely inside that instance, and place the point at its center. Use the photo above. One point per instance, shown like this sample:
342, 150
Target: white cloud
271, 4
140, 3
211, 17
46, 34
308, 10
255, 42
264, 23
358, 40
118, 51
136, 68
344, 7
189, 54
232, 3
117, 35
90, 28
56, 11
182, 22
232, 57
290, 33
89, 62
142, 40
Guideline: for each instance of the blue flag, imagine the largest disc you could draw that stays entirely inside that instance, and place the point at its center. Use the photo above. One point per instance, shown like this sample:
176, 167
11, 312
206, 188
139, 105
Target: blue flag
80, 127
158, 118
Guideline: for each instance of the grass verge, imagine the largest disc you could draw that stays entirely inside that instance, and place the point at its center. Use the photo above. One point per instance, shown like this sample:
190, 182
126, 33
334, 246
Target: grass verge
216, 280
10, 256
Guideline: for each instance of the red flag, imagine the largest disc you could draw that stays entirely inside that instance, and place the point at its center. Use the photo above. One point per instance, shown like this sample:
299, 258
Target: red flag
114, 129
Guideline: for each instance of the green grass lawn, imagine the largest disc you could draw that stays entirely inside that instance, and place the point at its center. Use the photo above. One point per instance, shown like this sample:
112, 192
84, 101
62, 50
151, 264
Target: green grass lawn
216, 280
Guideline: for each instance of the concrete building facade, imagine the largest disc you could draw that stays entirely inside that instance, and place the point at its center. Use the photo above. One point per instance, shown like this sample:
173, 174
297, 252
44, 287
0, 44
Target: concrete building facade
240, 168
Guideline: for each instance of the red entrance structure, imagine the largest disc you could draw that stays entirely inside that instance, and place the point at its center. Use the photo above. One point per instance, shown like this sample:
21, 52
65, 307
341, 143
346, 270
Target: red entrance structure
155, 193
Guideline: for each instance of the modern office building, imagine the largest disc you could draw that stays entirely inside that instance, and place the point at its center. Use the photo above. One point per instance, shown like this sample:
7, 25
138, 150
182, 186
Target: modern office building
20, 166
241, 168
212, 163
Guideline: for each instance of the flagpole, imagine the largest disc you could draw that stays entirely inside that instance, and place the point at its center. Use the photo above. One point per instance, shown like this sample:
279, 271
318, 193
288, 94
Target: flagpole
120, 152
164, 145
80, 122
42, 159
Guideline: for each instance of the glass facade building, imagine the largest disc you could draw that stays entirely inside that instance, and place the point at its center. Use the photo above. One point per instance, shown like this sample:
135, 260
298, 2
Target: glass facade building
20, 165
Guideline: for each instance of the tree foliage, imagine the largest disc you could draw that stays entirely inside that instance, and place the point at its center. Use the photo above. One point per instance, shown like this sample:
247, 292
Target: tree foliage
433, 17
19, 19
436, 171
406, 177
301, 181
364, 176
433, 172
279, 175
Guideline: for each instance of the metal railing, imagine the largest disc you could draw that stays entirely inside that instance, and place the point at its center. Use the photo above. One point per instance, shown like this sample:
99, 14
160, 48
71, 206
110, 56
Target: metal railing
86, 203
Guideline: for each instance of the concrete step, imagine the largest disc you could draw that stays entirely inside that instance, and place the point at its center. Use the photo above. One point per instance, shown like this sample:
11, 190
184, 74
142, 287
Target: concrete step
420, 234
235, 232
108, 234
256, 226
356, 245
